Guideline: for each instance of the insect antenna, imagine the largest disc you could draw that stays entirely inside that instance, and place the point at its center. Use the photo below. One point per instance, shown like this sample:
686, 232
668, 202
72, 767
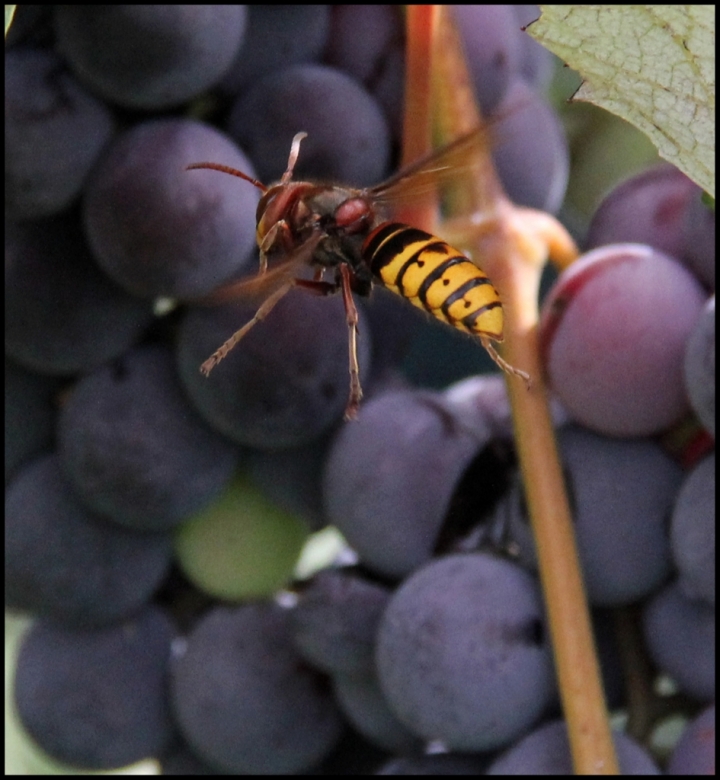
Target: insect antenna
294, 152
227, 169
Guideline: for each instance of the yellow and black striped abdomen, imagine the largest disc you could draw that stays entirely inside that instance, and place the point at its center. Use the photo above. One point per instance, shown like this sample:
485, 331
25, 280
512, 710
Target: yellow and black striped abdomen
435, 277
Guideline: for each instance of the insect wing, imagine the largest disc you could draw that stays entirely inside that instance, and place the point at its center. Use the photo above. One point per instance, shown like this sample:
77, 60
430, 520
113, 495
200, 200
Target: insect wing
467, 157
256, 289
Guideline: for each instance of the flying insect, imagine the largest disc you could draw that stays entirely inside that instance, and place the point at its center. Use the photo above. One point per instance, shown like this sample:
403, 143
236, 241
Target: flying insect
343, 235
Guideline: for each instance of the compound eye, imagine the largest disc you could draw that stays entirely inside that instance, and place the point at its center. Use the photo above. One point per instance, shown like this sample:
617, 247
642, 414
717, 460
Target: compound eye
353, 214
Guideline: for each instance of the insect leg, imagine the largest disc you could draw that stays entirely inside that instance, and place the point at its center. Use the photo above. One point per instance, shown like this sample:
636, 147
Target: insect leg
279, 233
260, 315
504, 365
328, 288
352, 320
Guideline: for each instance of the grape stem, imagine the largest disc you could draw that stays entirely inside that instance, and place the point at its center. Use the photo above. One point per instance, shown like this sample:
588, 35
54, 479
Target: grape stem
511, 244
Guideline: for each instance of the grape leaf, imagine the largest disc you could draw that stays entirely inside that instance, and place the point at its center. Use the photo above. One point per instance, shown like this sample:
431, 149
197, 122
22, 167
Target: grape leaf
651, 65
9, 14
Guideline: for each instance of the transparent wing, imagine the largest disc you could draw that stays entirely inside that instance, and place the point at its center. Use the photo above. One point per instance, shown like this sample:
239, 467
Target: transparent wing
468, 156
256, 289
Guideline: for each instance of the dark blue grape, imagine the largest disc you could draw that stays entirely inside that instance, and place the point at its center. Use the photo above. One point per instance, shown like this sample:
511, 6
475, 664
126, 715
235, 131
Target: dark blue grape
693, 532
244, 701
361, 56
363, 704
376, 57
97, 699
277, 36
532, 155
134, 448
699, 239
492, 44
462, 652
348, 139
54, 133
699, 367
29, 415
336, 619
436, 764
694, 753
149, 56
292, 478
68, 564
546, 751
285, 383
537, 63
680, 637
390, 476
622, 492
61, 314
159, 229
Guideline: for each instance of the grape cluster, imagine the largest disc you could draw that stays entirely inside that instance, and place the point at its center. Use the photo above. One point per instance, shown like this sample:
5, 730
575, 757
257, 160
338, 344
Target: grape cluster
154, 516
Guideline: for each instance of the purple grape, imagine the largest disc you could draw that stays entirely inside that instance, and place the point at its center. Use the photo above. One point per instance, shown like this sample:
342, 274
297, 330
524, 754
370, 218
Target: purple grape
54, 133
700, 367
436, 764
97, 699
462, 653
363, 704
390, 476
285, 383
376, 57
536, 62
680, 637
68, 564
134, 448
158, 229
613, 333
361, 56
292, 478
693, 532
29, 416
492, 44
660, 207
622, 492
699, 239
546, 751
277, 36
694, 753
149, 57
61, 314
348, 139
335, 621
532, 155
243, 699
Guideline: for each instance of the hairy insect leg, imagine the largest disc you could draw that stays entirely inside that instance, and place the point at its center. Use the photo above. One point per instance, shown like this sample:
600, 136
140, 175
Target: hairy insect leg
352, 321
328, 288
267, 306
504, 365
